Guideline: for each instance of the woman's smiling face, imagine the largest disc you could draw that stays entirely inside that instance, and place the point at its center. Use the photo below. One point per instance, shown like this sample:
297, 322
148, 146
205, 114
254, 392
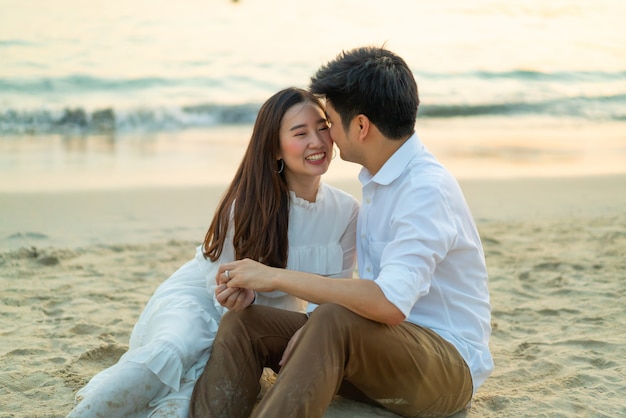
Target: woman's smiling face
305, 144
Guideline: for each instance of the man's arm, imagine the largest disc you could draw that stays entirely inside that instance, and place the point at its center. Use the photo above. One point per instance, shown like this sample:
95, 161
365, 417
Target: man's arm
361, 296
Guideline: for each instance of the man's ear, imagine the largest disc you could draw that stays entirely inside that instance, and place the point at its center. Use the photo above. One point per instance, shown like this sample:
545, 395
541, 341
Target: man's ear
363, 124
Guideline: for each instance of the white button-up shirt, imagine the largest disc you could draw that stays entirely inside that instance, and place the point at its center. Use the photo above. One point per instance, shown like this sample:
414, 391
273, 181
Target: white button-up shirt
417, 240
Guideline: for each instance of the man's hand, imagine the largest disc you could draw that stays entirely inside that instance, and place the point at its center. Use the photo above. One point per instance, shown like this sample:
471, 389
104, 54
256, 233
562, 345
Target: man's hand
247, 274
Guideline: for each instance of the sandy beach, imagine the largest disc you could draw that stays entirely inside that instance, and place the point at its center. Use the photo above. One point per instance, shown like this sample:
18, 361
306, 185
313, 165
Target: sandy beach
76, 269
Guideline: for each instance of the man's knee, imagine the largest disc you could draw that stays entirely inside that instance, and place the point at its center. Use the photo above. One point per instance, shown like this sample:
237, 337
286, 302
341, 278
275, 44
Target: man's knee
330, 309
335, 317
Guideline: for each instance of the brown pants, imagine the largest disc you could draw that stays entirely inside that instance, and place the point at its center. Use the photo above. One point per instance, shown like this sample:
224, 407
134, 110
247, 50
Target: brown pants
406, 369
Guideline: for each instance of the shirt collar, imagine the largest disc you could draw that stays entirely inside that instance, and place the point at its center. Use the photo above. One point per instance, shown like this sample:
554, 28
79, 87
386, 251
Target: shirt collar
396, 164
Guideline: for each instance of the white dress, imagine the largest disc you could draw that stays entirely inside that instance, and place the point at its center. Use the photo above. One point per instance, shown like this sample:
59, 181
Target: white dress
174, 334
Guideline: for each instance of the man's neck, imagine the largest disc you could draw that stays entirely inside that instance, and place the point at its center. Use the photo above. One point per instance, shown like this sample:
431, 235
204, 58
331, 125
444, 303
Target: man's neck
382, 148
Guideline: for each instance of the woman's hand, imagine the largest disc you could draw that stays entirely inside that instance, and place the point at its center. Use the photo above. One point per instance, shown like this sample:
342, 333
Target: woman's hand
234, 299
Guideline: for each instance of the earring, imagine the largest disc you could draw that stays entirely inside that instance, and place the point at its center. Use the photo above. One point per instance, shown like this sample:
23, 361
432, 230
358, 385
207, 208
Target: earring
334, 153
282, 166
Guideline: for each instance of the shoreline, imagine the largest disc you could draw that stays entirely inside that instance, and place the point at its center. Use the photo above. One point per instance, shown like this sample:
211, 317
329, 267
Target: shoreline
472, 149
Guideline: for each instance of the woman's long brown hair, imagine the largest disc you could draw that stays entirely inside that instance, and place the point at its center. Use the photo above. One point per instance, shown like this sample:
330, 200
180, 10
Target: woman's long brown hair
259, 192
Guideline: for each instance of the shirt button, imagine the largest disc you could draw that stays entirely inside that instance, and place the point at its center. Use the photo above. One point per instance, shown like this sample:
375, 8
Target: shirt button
368, 200
369, 270
363, 236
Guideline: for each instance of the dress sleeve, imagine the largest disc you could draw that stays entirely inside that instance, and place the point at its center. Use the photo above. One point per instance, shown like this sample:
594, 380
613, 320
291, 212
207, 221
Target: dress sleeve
348, 245
228, 255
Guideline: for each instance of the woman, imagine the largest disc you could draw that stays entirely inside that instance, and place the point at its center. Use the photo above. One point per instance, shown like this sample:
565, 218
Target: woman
276, 211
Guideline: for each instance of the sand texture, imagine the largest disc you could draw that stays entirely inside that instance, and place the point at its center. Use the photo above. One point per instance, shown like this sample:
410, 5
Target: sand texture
556, 253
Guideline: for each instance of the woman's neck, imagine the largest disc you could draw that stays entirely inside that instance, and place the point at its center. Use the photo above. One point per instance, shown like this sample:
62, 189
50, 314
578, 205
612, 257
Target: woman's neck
305, 188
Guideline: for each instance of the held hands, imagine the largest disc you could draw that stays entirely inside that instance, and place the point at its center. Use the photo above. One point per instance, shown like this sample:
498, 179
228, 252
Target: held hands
247, 274
237, 281
233, 298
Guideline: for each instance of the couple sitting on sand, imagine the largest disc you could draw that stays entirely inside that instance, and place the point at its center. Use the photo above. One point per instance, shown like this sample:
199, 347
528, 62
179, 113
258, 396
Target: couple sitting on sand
272, 286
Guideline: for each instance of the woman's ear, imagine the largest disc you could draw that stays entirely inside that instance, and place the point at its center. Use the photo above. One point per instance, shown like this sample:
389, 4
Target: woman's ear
280, 164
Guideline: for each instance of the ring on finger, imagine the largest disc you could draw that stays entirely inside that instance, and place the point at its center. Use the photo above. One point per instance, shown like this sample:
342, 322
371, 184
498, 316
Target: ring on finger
227, 274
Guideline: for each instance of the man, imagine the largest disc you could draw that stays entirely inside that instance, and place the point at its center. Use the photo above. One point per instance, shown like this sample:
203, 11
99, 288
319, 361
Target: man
410, 335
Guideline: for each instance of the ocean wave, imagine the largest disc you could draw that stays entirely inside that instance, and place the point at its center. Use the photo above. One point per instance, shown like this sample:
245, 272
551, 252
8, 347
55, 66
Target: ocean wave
87, 83
158, 119
91, 104
612, 107
109, 120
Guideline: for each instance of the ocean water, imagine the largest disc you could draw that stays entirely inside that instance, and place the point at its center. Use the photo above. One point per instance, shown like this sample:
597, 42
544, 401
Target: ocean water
90, 75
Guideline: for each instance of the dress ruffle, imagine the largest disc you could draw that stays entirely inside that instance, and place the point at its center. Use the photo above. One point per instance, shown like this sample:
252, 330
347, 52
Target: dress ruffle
167, 354
163, 360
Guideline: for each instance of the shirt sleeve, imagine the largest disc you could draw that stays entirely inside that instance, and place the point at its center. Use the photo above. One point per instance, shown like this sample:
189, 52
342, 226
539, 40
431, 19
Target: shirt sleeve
421, 232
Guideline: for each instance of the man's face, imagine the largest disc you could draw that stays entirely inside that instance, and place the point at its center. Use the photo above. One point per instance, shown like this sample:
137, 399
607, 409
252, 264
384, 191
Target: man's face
338, 133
